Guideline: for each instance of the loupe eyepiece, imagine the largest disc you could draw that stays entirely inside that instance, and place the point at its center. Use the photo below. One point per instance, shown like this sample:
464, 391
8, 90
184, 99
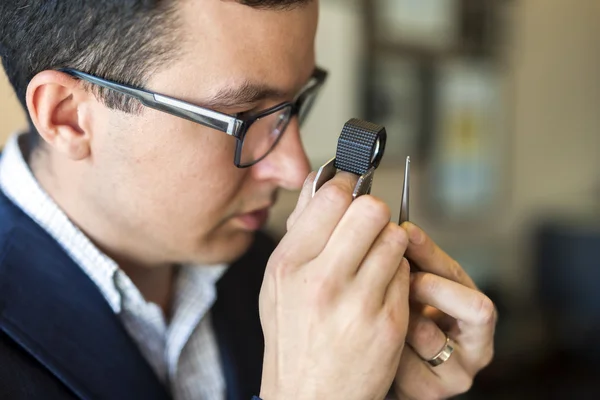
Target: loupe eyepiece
360, 148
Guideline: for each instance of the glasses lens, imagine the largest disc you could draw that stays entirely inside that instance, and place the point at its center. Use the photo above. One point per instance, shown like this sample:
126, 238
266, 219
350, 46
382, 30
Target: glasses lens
263, 135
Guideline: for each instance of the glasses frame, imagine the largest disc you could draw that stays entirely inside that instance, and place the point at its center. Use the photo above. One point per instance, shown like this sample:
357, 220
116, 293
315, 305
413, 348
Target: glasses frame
229, 124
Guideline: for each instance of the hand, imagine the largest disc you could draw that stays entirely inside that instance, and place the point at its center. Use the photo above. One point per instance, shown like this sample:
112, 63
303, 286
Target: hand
334, 300
443, 299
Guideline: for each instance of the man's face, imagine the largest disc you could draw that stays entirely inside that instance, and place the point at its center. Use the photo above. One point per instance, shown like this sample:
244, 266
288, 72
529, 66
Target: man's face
170, 185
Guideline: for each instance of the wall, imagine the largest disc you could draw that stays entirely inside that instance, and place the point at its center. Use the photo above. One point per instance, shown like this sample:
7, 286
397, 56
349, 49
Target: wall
556, 66
555, 63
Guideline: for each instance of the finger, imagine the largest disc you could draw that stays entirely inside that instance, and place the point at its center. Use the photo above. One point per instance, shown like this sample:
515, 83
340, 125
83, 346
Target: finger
381, 263
395, 303
355, 234
396, 295
474, 311
416, 379
427, 340
424, 336
458, 301
430, 258
313, 228
443, 320
303, 199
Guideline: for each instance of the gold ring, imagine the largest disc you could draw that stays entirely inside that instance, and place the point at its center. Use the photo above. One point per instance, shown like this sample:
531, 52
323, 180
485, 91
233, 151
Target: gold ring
443, 355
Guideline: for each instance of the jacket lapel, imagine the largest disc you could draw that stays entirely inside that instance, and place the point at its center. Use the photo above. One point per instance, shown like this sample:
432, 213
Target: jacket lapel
56, 313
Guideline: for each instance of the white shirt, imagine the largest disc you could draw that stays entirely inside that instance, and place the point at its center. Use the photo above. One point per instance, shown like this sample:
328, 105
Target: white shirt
184, 354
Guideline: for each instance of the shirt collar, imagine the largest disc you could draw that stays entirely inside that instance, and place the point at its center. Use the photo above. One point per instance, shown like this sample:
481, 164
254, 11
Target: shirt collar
19, 184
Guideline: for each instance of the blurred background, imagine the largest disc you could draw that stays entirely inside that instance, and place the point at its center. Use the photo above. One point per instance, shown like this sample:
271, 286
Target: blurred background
498, 104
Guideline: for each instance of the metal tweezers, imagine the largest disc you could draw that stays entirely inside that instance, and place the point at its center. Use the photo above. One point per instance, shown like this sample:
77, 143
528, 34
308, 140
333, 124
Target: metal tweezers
405, 193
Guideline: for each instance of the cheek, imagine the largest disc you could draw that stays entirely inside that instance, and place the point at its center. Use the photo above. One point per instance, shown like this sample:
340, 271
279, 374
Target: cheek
180, 174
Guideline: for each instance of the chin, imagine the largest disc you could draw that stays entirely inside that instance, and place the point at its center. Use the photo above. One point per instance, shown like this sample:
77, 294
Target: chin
225, 248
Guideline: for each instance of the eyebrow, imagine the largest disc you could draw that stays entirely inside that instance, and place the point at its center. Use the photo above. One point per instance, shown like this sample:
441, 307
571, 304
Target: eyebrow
246, 93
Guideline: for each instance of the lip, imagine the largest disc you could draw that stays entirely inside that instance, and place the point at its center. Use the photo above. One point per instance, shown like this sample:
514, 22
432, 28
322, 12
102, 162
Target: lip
253, 220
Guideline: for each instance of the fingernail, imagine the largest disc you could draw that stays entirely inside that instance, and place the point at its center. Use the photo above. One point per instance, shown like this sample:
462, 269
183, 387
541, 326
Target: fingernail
308, 181
415, 235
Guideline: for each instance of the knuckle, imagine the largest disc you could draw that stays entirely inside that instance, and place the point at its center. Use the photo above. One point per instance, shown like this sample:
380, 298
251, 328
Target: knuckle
487, 358
484, 309
324, 292
428, 283
334, 193
290, 221
457, 274
279, 266
435, 392
281, 272
396, 236
373, 208
323, 287
416, 282
460, 385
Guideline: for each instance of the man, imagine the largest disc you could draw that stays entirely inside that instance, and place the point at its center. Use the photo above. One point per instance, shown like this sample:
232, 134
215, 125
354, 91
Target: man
131, 263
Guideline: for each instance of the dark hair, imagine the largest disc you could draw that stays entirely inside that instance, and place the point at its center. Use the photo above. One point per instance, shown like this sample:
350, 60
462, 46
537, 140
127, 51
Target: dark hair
120, 40
106, 38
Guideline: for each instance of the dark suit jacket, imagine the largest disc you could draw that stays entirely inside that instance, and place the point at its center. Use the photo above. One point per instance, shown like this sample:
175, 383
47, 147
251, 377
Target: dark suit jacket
59, 339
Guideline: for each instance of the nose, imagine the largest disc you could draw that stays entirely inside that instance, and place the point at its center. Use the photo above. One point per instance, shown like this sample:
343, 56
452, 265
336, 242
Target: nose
287, 164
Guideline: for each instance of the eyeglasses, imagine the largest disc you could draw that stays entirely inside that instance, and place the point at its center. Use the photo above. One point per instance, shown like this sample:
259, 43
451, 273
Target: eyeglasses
256, 134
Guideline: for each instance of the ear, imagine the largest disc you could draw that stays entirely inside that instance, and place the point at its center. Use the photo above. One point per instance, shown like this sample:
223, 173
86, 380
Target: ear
58, 105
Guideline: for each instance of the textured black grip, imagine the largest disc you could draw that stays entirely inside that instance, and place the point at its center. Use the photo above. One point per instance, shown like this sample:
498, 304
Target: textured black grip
357, 145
